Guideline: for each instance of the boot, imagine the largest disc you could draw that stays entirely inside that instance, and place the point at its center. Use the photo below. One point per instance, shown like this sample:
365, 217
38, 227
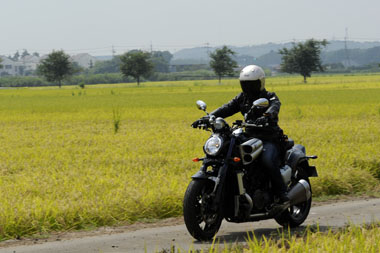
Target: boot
283, 200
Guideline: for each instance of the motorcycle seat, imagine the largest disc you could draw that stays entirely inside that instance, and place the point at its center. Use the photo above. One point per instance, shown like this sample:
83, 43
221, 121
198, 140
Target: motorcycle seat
289, 143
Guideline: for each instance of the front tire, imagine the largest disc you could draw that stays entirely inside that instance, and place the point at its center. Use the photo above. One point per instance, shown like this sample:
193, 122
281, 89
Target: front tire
295, 215
201, 222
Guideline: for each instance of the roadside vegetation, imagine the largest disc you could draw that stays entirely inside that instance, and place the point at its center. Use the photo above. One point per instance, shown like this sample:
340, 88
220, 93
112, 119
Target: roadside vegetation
75, 158
349, 239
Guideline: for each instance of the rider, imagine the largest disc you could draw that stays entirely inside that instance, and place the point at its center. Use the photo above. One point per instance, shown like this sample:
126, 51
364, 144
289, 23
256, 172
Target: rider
252, 82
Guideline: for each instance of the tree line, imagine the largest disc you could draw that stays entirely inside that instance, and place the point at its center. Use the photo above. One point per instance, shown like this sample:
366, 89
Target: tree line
136, 64
302, 58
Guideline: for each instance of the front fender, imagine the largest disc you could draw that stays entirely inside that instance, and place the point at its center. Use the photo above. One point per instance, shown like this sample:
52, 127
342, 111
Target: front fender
200, 175
203, 175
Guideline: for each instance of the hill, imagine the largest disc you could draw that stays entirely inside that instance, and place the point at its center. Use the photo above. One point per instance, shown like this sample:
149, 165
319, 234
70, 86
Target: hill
359, 53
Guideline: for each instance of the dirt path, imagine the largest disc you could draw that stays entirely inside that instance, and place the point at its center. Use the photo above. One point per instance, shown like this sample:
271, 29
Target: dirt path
164, 234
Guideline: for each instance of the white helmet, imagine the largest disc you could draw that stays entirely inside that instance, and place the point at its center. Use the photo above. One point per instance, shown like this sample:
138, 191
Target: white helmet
252, 80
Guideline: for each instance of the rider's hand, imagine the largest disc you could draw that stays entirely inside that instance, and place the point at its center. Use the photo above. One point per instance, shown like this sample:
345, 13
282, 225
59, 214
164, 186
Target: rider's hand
261, 121
202, 121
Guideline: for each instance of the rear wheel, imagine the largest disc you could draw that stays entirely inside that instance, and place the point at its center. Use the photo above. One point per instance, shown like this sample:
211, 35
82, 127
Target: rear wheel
201, 221
295, 215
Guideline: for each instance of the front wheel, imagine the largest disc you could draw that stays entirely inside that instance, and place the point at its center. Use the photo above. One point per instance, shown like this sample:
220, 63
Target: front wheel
201, 220
295, 215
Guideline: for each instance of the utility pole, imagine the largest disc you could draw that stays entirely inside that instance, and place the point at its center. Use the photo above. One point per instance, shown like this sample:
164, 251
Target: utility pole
348, 62
207, 50
113, 51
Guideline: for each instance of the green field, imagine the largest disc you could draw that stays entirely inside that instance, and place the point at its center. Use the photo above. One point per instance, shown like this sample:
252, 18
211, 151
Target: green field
63, 167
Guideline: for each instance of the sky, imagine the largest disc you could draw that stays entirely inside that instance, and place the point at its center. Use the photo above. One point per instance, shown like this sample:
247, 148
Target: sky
98, 27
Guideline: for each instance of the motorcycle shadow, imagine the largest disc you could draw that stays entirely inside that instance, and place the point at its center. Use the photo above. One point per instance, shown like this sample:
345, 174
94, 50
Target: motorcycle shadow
270, 233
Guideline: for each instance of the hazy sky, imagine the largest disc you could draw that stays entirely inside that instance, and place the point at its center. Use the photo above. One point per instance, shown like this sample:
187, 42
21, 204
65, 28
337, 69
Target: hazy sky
94, 26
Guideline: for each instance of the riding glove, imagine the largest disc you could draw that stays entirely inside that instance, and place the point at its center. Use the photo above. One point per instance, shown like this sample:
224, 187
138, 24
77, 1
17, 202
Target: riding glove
202, 121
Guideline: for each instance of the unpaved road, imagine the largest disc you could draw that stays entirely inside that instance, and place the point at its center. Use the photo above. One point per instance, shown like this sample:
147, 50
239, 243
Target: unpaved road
157, 238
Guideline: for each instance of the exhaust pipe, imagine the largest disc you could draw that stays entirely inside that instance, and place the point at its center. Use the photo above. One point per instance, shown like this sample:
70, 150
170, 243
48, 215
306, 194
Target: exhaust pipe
300, 192
250, 150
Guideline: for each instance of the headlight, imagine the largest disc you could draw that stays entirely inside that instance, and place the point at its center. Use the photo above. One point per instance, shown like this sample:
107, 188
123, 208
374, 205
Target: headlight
213, 145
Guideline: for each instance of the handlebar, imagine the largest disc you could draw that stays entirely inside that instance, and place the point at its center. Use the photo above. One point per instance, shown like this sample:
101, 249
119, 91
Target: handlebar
236, 124
254, 125
240, 123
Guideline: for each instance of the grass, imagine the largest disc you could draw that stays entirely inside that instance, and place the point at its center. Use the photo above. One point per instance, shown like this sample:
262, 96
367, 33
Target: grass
349, 239
69, 159
116, 119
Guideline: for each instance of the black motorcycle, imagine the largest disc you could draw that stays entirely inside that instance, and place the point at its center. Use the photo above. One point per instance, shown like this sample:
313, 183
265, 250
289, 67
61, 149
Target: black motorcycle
231, 183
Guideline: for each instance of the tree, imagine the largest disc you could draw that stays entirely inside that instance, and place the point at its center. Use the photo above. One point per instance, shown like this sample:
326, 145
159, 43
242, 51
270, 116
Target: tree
303, 58
110, 66
16, 56
24, 53
161, 61
222, 63
56, 67
1, 66
136, 64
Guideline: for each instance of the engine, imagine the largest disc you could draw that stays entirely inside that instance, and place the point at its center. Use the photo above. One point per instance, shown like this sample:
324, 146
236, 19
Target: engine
257, 184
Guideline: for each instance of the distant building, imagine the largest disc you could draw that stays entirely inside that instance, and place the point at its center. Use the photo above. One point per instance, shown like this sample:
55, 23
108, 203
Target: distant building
84, 60
10, 67
21, 67
28, 64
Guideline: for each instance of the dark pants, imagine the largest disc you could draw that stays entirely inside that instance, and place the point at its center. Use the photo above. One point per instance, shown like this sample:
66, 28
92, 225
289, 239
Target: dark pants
271, 162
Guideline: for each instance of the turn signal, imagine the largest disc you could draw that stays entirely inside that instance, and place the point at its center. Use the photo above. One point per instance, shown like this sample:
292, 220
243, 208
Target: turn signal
237, 159
196, 159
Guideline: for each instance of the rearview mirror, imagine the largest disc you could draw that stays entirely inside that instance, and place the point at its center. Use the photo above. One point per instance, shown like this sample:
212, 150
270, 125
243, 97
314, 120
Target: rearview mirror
201, 105
261, 103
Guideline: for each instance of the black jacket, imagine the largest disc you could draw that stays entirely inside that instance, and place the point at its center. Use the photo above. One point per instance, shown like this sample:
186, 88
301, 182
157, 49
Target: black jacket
242, 103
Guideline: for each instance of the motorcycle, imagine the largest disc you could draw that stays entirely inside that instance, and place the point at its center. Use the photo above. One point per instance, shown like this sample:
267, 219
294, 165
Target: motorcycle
232, 185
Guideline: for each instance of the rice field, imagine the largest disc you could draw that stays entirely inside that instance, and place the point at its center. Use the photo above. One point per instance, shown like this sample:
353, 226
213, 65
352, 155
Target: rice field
75, 158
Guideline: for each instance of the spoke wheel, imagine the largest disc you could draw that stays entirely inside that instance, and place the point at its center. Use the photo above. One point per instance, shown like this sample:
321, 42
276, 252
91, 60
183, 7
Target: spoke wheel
201, 221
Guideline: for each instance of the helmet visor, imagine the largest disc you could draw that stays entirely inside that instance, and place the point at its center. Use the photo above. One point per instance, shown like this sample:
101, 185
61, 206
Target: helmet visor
251, 88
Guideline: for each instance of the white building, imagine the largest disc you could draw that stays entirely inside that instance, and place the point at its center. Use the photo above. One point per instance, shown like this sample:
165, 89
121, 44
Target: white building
29, 63
84, 60
10, 67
